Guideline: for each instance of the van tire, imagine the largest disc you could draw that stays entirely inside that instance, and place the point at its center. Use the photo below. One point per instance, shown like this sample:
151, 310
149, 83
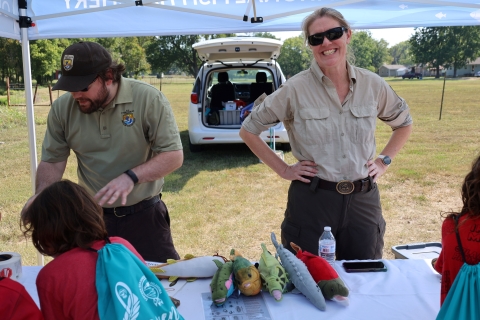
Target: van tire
194, 147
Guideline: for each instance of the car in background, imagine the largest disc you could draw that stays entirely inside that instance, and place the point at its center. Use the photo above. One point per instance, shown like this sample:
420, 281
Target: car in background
234, 73
477, 74
412, 75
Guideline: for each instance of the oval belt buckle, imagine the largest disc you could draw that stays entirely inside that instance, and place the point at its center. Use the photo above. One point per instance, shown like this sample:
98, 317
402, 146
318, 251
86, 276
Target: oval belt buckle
345, 187
115, 213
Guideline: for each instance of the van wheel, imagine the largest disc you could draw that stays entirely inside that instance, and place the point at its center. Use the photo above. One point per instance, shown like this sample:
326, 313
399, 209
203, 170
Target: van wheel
194, 147
286, 147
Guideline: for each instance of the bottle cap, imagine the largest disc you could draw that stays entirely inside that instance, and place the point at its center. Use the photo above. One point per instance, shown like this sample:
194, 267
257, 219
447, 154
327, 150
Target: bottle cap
327, 229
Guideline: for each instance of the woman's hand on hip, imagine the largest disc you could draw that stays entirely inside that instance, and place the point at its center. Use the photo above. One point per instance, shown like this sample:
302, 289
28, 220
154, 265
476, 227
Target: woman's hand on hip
298, 170
376, 168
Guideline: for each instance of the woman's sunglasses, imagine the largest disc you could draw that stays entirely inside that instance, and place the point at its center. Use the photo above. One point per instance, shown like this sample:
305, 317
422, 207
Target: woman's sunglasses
331, 34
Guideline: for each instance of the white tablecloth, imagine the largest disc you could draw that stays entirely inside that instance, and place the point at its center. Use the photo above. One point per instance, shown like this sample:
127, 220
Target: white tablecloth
410, 289
29, 275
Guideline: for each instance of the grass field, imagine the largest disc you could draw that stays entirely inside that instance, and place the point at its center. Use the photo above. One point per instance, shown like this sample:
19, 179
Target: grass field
223, 198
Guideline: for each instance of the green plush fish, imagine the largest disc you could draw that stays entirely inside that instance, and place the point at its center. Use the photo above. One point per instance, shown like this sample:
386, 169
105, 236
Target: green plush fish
274, 276
223, 283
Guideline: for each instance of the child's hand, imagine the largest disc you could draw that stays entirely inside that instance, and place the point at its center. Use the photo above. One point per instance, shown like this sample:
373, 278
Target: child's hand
434, 260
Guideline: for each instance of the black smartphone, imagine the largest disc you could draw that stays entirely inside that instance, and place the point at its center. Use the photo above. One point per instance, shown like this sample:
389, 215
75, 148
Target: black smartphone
365, 266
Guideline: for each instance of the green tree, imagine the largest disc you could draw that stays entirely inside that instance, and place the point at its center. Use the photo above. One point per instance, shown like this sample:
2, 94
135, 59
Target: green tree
428, 46
265, 35
463, 45
401, 53
165, 52
113, 46
11, 64
367, 52
294, 56
363, 47
381, 54
133, 56
45, 56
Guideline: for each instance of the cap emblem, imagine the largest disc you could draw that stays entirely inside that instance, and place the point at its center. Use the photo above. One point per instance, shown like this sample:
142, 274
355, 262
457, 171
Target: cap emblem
67, 62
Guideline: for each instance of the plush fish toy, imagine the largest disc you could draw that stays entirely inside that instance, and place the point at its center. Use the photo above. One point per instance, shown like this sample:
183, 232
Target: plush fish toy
299, 275
189, 268
274, 277
324, 275
223, 283
246, 275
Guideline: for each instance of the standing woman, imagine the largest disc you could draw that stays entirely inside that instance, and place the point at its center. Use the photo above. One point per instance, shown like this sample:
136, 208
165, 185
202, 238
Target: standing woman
330, 113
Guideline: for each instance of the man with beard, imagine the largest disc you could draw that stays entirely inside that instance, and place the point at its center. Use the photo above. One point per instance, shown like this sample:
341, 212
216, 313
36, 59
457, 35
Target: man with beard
126, 141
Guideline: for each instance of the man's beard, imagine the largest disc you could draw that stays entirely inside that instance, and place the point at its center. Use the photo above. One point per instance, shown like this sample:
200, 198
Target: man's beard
95, 104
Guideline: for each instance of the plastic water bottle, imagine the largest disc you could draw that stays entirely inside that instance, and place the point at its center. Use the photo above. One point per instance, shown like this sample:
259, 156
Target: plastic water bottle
326, 245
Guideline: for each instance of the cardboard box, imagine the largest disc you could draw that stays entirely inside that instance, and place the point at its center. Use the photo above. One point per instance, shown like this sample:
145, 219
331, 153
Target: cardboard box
229, 117
421, 250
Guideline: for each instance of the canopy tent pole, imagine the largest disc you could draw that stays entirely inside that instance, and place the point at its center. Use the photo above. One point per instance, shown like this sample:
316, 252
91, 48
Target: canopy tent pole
25, 23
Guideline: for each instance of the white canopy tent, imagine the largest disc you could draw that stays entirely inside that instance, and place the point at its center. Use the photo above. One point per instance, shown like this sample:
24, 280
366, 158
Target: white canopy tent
27, 20
123, 18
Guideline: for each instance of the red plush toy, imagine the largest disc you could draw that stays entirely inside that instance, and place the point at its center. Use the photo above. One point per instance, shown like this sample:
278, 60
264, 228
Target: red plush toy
324, 275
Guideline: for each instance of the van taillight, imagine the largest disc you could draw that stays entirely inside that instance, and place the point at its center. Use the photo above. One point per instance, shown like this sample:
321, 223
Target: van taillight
194, 98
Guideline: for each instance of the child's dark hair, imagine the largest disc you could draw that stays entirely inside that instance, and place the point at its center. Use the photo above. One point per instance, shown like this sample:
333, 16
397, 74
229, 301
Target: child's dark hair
470, 193
63, 216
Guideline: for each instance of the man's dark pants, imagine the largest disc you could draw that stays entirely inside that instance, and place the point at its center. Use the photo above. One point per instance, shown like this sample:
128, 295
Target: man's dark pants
148, 230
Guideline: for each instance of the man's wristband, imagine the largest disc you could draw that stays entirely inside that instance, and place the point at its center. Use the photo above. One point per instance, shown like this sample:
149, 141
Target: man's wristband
132, 176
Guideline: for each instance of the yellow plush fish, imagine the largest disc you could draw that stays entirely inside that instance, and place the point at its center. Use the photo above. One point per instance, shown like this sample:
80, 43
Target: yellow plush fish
246, 275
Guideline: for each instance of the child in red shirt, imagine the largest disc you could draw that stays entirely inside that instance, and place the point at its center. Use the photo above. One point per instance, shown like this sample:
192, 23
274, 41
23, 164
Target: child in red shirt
450, 260
15, 302
64, 221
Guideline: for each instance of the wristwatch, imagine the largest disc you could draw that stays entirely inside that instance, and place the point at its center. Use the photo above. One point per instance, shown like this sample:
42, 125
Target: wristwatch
132, 176
385, 159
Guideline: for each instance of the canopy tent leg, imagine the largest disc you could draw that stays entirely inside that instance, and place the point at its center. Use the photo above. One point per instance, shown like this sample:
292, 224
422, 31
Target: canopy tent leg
27, 79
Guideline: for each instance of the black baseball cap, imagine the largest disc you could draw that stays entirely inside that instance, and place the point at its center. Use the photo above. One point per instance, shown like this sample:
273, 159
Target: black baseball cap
81, 62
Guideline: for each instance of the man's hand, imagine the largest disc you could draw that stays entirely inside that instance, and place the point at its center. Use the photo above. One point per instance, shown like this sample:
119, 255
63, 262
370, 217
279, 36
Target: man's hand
376, 168
121, 186
299, 169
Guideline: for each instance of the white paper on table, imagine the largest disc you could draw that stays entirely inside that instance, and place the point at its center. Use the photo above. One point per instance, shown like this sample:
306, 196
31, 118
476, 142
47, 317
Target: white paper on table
237, 307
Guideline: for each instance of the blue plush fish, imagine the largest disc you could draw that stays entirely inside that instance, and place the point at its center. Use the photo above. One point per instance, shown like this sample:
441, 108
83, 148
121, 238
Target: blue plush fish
299, 275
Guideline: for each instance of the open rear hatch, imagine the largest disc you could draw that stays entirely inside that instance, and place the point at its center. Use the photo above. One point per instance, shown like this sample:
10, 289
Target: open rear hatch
238, 48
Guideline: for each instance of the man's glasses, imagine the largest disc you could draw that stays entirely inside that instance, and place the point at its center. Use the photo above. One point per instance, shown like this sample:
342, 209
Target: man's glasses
331, 34
88, 88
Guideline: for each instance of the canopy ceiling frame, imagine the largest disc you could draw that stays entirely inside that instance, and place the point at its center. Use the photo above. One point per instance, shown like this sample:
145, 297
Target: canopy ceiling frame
27, 20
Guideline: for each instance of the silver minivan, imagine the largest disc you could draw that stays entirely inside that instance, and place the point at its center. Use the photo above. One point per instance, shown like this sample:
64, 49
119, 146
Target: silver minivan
235, 72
